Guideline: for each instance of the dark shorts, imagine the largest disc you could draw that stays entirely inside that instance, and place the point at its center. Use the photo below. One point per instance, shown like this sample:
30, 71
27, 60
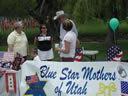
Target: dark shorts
67, 59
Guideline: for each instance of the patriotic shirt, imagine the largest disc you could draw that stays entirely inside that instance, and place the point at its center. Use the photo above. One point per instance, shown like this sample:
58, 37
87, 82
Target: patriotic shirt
114, 53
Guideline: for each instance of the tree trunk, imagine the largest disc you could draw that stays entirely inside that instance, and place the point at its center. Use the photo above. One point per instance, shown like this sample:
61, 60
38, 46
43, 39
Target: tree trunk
112, 37
44, 13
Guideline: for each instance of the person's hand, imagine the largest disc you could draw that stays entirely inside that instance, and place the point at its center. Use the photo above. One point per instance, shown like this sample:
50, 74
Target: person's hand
57, 49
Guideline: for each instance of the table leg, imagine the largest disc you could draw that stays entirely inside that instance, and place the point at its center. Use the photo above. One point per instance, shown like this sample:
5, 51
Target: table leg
91, 58
95, 57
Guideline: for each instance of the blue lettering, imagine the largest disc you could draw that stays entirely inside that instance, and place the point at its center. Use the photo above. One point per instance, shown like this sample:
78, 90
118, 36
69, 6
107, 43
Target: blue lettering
87, 73
106, 76
69, 74
43, 71
94, 76
63, 72
58, 90
46, 73
114, 76
75, 89
99, 75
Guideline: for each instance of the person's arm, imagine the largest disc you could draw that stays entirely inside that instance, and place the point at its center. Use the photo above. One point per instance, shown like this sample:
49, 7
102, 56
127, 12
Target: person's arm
77, 43
10, 47
28, 50
35, 41
67, 48
61, 32
11, 42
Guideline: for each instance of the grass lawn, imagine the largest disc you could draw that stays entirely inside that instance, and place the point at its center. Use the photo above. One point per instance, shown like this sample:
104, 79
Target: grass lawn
97, 31
92, 46
100, 28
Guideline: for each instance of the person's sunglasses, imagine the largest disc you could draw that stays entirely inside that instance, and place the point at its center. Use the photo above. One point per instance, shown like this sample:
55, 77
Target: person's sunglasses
43, 27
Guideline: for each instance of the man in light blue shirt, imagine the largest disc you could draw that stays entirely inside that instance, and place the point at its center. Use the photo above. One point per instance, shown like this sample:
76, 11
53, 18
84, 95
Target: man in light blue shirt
61, 16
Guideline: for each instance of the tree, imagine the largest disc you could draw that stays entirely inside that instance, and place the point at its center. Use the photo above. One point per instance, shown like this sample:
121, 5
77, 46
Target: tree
13, 8
44, 11
81, 11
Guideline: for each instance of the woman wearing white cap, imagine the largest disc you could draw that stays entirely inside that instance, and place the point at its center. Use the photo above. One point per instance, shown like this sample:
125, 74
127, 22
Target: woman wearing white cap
17, 41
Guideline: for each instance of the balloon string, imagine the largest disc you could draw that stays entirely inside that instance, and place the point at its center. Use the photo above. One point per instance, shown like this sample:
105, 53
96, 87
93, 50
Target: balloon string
115, 38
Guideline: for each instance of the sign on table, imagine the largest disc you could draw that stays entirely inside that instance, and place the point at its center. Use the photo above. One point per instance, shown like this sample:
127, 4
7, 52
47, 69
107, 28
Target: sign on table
74, 79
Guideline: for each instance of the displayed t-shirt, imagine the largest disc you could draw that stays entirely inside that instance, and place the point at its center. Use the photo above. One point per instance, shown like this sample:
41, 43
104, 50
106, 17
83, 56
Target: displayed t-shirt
71, 38
44, 42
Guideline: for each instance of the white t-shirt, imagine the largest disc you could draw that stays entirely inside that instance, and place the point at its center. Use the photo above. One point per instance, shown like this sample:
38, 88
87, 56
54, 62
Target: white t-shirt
63, 32
36, 58
69, 37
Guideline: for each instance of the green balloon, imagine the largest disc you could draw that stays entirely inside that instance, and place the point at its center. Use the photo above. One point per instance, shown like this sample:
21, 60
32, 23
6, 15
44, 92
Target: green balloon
114, 23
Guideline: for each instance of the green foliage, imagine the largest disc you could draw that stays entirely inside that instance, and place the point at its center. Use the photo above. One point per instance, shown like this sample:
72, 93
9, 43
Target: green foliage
80, 10
98, 30
83, 11
30, 33
92, 29
15, 8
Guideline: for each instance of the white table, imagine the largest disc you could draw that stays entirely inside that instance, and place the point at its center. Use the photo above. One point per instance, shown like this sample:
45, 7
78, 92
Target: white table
91, 54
